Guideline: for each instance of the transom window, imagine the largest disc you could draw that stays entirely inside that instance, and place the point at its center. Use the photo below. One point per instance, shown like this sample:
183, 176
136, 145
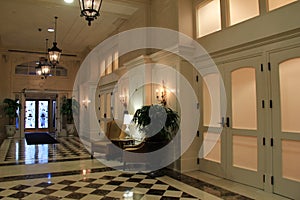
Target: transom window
208, 17
28, 68
274, 4
240, 11
109, 64
211, 17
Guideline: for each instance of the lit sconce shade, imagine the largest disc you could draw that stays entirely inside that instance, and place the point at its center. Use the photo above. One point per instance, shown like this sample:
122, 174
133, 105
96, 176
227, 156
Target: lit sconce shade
161, 95
85, 103
127, 119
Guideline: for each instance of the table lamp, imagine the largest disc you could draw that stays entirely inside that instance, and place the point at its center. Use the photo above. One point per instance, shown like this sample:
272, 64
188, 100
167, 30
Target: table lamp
127, 121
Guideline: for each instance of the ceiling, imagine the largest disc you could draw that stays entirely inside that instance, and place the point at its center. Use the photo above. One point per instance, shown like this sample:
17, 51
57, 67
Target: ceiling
21, 20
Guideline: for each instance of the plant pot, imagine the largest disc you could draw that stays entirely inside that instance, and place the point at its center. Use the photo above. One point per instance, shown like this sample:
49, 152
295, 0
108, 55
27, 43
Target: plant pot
70, 129
10, 130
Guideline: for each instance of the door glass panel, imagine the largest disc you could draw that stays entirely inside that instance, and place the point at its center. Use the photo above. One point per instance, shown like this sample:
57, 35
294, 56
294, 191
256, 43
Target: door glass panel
102, 68
102, 107
116, 60
211, 100
291, 160
274, 4
18, 116
242, 10
245, 152
243, 88
214, 148
108, 105
289, 73
54, 114
43, 114
109, 65
30, 114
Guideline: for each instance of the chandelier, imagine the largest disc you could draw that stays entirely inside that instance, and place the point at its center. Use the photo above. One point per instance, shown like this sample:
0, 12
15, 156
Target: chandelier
90, 9
54, 52
44, 68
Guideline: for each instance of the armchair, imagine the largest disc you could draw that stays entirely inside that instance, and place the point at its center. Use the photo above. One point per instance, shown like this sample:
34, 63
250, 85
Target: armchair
103, 146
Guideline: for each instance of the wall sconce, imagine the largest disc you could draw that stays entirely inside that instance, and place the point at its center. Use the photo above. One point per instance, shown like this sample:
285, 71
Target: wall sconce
161, 95
85, 103
123, 100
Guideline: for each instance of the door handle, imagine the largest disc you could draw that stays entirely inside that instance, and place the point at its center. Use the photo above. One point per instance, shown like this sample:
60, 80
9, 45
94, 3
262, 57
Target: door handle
222, 123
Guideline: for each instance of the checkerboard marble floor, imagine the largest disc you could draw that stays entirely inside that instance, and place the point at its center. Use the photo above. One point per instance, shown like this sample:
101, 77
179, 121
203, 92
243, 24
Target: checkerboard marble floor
65, 171
17, 151
103, 185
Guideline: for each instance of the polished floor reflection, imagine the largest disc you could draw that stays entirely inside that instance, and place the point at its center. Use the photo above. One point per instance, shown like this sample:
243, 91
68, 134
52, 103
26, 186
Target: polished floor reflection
17, 151
65, 171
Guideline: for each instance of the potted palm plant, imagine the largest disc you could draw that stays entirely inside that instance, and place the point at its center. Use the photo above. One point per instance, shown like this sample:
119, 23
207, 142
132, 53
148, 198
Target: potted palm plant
10, 109
158, 122
68, 108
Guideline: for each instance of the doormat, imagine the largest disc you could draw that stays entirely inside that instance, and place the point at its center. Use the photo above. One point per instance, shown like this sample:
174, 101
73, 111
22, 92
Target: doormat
39, 138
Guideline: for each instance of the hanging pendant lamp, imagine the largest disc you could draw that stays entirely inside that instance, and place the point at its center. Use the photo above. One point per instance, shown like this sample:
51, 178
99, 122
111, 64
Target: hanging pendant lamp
90, 9
54, 52
44, 68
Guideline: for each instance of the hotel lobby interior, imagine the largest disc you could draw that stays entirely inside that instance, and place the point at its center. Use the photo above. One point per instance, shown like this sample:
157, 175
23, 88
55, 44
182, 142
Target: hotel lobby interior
220, 80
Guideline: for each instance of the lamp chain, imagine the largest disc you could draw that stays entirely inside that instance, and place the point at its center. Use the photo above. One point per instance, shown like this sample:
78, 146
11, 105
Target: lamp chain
55, 28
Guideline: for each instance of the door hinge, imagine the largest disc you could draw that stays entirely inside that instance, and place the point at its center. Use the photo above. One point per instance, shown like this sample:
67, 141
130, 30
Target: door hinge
198, 161
272, 142
272, 180
197, 78
264, 141
227, 122
262, 67
263, 104
269, 66
198, 133
271, 104
198, 106
264, 178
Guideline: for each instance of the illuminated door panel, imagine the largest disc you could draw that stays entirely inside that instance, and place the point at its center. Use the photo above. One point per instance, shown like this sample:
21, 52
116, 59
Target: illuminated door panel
244, 109
30, 121
36, 114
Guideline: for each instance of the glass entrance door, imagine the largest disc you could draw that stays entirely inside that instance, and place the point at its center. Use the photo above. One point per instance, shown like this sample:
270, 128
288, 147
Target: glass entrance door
245, 125
36, 115
213, 158
285, 73
238, 152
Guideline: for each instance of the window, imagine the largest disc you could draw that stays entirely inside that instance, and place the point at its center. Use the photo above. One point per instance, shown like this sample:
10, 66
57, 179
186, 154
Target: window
109, 64
208, 17
274, 4
240, 11
28, 68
